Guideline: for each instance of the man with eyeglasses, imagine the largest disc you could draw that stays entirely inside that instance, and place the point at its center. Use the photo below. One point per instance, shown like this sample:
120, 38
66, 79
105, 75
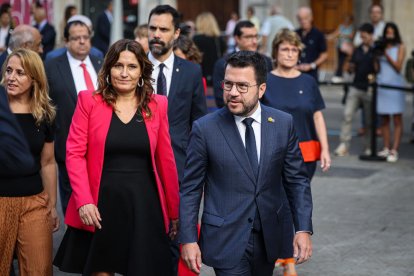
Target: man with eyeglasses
246, 160
68, 74
246, 37
94, 51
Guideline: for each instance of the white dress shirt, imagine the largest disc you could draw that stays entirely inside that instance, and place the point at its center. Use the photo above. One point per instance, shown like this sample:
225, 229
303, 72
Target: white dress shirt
168, 70
77, 72
4, 32
256, 125
42, 25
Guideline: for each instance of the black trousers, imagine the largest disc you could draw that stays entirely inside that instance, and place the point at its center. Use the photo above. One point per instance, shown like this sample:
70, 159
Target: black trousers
65, 189
341, 60
254, 261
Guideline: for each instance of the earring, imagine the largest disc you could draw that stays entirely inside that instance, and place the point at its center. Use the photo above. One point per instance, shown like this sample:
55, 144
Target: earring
107, 80
141, 82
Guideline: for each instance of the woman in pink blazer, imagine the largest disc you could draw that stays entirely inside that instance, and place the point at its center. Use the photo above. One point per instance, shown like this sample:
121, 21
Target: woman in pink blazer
123, 174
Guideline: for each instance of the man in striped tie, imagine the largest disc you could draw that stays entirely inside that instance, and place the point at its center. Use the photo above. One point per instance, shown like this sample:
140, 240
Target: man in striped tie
68, 74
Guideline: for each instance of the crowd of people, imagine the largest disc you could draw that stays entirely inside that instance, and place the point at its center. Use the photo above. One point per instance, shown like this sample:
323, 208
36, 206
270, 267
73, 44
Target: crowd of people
121, 133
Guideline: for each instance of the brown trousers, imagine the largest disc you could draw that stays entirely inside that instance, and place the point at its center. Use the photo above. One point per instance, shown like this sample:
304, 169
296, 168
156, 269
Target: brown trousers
26, 227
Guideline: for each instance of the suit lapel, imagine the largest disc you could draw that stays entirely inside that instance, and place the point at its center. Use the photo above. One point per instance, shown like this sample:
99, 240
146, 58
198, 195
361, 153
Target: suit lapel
232, 135
175, 77
265, 143
66, 73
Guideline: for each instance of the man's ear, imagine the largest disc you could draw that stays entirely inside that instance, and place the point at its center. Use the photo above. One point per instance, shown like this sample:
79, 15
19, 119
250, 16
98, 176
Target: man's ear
262, 90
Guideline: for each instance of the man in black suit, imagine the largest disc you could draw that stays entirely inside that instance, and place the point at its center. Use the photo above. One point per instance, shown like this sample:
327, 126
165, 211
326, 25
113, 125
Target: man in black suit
103, 24
68, 74
15, 156
178, 79
246, 37
45, 28
23, 36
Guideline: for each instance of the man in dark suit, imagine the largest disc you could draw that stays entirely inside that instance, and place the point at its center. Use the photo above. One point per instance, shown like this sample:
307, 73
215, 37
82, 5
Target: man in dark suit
246, 159
103, 24
68, 74
15, 156
45, 28
246, 37
178, 79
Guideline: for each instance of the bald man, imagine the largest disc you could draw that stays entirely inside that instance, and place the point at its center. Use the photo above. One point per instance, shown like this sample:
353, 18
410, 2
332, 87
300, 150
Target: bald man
23, 36
315, 52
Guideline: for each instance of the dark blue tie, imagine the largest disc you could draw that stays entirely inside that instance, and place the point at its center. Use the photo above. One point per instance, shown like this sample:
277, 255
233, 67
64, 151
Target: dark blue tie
251, 149
161, 82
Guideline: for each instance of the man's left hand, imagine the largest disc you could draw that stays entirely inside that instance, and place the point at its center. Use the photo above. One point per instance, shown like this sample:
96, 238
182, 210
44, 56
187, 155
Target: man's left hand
302, 247
174, 229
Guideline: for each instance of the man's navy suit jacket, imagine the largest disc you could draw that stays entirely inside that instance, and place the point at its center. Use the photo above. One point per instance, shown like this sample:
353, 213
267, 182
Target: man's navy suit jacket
63, 92
218, 165
48, 39
186, 103
102, 35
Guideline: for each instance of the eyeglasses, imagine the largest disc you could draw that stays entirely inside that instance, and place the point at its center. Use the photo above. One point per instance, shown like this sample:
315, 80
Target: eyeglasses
286, 50
250, 37
242, 87
80, 37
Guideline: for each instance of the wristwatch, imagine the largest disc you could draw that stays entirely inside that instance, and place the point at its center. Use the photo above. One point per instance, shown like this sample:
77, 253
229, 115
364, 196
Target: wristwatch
313, 65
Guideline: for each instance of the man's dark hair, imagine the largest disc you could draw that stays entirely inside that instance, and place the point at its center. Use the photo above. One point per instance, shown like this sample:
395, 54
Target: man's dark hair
243, 59
242, 24
163, 9
376, 5
367, 28
72, 23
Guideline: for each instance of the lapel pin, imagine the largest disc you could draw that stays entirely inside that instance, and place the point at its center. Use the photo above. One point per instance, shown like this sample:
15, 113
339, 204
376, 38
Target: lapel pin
177, 70
300, 92
270, 120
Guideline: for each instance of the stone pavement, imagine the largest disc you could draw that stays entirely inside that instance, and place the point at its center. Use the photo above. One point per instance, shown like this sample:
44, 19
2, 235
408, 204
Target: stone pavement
363, 210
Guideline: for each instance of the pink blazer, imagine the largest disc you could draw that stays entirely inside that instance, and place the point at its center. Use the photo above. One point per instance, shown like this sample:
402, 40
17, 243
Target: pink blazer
85, 155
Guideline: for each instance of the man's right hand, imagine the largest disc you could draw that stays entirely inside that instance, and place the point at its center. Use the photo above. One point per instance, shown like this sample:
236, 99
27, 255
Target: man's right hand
191, 254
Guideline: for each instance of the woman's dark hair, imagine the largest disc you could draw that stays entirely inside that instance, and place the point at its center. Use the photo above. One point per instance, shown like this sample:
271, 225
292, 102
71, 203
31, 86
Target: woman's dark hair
105, 87
68, 12
189, 49
397, 37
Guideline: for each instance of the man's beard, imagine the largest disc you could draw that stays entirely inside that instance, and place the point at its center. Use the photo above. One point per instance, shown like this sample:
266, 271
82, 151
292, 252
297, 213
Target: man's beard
161, 49
247, 106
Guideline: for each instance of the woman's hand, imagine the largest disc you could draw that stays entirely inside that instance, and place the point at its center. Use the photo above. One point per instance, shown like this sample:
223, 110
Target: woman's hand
55, 219
89, 215
174, 229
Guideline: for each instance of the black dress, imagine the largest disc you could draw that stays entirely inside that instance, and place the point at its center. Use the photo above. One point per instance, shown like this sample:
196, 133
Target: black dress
132, 240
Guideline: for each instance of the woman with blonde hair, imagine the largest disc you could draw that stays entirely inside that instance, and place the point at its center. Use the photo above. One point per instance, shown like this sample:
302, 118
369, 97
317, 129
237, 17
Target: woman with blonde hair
28, 202
210, 43
298, 94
